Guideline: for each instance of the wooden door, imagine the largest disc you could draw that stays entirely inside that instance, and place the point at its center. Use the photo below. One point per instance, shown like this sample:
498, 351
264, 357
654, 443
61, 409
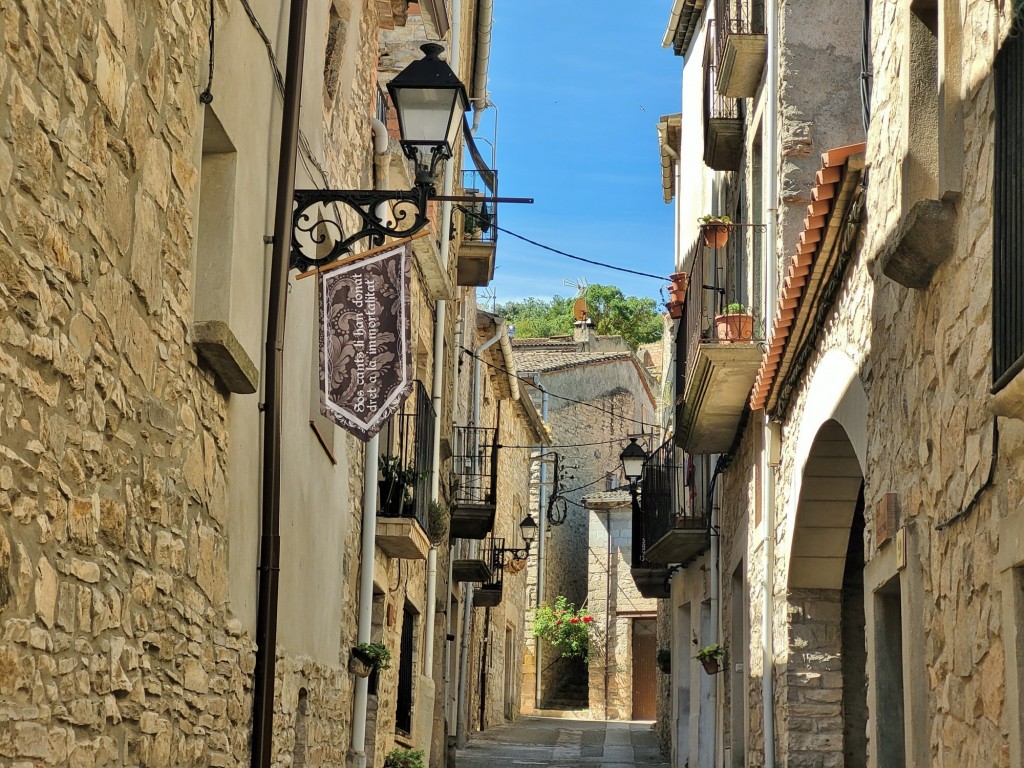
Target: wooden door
645, 674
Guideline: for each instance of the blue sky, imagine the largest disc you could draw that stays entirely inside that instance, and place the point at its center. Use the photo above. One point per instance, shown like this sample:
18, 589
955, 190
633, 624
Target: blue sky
579, 89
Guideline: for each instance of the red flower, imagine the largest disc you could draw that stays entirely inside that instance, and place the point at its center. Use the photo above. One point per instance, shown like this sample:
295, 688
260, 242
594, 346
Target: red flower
558, 623
587, 619
574, 620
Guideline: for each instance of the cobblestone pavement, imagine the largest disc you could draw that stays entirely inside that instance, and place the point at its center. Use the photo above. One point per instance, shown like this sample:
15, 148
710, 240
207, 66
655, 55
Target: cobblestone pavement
542, 741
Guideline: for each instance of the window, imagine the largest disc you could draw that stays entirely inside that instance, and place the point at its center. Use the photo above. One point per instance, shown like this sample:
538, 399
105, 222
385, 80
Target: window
1008, 214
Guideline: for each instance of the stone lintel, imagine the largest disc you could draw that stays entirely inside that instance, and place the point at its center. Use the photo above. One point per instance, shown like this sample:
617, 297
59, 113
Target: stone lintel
219, 347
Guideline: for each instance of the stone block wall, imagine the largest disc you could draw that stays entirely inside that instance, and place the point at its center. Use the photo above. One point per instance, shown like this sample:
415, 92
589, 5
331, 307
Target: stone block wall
612, 591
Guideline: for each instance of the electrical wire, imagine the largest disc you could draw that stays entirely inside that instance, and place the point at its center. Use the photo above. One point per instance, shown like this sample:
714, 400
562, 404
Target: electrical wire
538, 387
486, 219
206, 97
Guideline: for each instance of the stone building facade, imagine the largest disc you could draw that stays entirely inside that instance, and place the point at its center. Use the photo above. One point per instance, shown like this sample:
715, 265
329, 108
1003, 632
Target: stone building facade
863, 568
135, 218
594, 392
623, 679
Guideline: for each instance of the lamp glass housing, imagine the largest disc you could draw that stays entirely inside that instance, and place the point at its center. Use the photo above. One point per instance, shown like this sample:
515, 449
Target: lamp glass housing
430, 101
528, 528
633, 458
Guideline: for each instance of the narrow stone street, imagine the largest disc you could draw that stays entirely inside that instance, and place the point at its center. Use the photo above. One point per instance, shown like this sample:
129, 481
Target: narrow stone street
542, 741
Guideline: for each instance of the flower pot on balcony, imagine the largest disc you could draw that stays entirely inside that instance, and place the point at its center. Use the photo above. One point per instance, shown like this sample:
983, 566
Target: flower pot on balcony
677, 290
734, 327
675, 309
715, 235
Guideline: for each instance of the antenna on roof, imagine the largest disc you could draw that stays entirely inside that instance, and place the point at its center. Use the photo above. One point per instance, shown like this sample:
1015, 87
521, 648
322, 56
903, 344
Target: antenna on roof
580, 310
490, 297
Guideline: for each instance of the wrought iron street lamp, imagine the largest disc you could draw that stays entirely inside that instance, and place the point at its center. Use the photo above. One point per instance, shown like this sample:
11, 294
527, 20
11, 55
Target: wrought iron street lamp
430, 102
528, 530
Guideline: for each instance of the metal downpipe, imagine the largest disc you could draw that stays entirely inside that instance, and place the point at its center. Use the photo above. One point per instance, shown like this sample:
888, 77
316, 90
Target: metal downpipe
273, 385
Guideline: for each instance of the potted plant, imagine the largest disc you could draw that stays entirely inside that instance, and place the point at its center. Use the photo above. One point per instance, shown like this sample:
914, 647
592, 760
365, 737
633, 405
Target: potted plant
710, 657
665, 660
736, 324
715, 230
404, 758
437, 523
395, 485
675, 309
367, 657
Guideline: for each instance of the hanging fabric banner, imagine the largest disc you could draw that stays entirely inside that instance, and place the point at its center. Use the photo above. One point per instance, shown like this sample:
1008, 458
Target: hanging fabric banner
365, 359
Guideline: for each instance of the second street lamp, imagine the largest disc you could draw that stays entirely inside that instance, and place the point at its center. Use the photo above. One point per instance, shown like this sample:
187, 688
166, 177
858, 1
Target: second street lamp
528, 529
633, 458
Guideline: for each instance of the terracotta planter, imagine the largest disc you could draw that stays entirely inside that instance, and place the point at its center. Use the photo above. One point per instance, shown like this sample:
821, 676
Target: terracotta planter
359, 664
737, 327
715, 235
680, 282
675, 309
710, 665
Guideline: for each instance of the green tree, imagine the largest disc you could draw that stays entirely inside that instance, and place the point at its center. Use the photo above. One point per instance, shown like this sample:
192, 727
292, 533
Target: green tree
635, 318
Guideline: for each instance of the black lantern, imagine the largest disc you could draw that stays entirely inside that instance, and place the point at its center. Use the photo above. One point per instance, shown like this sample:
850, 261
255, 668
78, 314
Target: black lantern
633, 458
528, 528
430, 102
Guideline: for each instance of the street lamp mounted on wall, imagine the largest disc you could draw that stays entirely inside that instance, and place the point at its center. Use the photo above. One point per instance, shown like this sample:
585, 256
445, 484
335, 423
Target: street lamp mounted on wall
430, 101
633, 458
528, 530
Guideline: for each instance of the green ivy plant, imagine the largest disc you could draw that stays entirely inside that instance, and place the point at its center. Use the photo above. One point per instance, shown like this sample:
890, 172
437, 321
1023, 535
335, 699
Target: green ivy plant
404, 758
712, 219
565, 627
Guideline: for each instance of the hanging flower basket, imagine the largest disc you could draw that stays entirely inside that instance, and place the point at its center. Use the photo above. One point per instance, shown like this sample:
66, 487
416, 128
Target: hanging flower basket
710, 657
714, 230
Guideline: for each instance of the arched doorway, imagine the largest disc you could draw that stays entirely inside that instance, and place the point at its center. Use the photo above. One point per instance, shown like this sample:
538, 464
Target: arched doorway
826, 696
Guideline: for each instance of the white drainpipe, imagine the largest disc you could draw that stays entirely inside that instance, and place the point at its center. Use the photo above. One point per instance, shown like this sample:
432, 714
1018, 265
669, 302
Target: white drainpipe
767, 473
366, 560
462, 731
369, 534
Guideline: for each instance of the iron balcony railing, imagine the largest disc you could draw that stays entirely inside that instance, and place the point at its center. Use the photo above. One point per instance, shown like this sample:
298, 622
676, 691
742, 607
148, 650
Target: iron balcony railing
670, 500
409, 442
474, 476
480, 220
738, 17
716, 106
718, 308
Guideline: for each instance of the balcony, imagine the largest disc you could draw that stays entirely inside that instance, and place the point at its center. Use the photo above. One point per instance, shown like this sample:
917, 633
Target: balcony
717, 343
474, 562
479, 231
473, 482
489, 594
723, 125
674, 527
405, 467
742, 47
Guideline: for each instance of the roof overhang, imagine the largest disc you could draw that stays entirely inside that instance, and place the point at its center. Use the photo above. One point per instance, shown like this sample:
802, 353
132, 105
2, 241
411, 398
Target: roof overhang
825, 246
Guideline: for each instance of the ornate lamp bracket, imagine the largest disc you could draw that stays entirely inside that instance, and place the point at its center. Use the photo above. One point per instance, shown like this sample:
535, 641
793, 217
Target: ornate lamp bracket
319, 231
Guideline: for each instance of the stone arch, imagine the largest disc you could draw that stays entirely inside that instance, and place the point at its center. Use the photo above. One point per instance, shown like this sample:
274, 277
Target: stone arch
830, 488
826, 662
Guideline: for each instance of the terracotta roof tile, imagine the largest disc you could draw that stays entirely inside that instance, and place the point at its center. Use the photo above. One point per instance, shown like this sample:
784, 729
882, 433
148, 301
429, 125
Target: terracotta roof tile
799, 266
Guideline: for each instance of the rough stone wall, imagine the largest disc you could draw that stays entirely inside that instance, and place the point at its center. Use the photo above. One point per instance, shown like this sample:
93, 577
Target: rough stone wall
602, 420
117, 648
665, 716
931, 354
611, 590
